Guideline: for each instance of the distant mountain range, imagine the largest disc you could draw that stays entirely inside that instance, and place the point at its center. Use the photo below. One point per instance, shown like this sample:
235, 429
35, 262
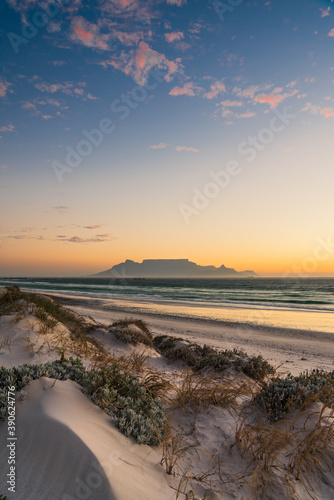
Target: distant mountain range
171, 268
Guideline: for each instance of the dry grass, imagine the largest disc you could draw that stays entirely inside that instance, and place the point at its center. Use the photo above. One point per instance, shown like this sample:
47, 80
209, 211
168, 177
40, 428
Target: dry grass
132, 331
174, 447
206, 390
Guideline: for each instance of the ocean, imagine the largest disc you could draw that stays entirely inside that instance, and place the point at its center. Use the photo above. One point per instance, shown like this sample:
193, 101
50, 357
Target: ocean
306, 303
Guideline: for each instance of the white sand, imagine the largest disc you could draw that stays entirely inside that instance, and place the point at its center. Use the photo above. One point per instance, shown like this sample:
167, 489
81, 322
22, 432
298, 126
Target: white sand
69, 449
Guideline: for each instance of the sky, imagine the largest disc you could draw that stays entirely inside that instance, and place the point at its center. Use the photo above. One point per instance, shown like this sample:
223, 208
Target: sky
168, 129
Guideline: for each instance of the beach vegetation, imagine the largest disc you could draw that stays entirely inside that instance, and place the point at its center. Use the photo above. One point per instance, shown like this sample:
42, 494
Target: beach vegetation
282, 395
132, 331
206, 357
135, 411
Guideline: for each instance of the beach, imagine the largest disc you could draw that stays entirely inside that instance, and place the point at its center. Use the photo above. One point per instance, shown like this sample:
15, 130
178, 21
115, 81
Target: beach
216, 442
292, 349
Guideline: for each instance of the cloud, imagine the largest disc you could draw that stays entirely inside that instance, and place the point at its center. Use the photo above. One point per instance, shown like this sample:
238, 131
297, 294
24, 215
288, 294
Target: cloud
312, 108
58, 63
161, 145
249, 92
291, 84
7, 128
77, 239
129, 9
232, 104
52, 88
274, 98
184, 148
4, 86
178, 3
88, 34
245, 115
139, 62
61, 209
187, 89
215, 89
128, 38
331, 33
97, 226
327, 112
28, 105
3, 167
175, 36
46, 117
68, 88
325, 12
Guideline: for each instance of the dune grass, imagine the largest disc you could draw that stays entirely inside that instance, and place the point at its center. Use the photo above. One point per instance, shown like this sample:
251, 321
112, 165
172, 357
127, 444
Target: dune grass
206, 357
123, 330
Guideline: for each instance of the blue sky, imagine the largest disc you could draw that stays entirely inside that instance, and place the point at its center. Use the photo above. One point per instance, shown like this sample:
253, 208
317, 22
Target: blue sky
197, 80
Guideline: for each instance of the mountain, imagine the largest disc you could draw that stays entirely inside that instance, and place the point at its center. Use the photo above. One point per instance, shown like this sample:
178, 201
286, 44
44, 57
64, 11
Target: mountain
171, 268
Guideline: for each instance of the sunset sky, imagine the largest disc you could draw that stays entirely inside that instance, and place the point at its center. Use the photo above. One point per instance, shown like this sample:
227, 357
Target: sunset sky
166, 129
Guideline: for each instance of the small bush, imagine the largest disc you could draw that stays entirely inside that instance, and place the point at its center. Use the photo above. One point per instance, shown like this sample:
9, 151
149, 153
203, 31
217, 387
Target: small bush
132, 332
206, 357
136, 412
281, 396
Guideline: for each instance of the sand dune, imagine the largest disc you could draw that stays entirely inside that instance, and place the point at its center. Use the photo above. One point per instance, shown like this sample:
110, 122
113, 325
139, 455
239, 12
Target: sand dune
68, 448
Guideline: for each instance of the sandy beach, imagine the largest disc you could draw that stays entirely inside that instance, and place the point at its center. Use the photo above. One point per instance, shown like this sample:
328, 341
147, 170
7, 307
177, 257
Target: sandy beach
293, 350
218, 444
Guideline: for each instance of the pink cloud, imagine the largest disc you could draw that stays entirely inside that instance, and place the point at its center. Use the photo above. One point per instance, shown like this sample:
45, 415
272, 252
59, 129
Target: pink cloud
331, 33
215, 89
139, 62
178, 3
7, 128
250, 92
88, 34
84, 36
4, 86
185, 148
275, 98
245, 115
272, 100
232, 104
327, 112
325, 12
174, 36
187, 89
46, 117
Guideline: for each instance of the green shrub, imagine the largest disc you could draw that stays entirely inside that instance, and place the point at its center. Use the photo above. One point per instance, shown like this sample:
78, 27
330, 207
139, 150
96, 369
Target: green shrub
280, 396
135, 412
204, 357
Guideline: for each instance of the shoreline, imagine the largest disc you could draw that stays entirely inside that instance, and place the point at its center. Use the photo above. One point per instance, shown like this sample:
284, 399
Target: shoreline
293, 350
